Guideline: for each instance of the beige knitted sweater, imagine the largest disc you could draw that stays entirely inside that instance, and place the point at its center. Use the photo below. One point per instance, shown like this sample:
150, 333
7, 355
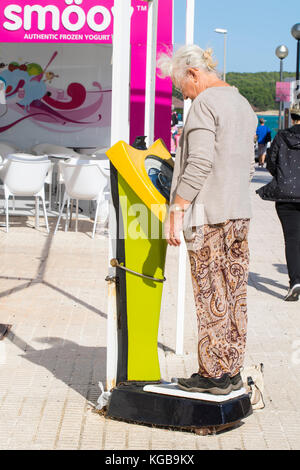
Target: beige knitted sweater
215, 159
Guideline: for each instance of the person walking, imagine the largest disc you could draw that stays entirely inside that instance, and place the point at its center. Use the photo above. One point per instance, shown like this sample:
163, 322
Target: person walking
263, 136
178, 135
174, 118
174, 131
283, 162
213, 167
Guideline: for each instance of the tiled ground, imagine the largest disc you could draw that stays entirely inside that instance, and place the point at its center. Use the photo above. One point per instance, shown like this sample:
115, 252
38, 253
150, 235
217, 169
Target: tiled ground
53, 292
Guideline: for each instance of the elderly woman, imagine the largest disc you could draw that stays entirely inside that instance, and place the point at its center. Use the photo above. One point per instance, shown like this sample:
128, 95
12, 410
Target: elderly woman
213, 169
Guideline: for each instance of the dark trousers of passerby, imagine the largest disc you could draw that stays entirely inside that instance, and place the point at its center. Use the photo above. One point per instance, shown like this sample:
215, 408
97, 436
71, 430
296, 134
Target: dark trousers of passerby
289, 215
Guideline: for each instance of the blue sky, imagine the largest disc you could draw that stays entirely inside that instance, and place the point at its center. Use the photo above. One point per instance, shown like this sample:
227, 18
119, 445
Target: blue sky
255, 29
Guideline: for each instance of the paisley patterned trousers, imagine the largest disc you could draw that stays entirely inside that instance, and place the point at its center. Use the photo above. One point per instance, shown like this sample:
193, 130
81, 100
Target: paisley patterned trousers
220, 276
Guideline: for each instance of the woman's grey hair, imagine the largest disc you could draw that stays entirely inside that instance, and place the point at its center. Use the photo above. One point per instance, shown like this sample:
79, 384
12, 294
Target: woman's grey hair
186, 57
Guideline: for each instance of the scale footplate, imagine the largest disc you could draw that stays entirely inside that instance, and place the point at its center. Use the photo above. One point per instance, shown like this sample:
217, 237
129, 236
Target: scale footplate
133, 403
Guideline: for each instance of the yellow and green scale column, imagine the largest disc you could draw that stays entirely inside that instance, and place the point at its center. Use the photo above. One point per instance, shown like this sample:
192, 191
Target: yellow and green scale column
141, 248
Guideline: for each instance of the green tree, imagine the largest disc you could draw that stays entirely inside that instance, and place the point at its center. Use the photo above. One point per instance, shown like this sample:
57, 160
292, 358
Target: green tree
258, 88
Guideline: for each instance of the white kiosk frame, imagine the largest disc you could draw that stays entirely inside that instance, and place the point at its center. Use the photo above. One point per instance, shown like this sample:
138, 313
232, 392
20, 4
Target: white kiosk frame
120, 131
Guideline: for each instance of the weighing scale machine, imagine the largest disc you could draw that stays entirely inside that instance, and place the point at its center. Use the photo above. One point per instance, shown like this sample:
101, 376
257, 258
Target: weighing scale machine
140, 185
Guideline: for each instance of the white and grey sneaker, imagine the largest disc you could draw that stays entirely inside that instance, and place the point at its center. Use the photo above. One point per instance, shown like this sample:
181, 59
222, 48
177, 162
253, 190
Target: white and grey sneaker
293, 294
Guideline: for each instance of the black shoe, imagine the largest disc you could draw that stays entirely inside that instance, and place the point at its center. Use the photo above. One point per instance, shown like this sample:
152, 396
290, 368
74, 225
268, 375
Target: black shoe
293, 294
236, 382
197, 383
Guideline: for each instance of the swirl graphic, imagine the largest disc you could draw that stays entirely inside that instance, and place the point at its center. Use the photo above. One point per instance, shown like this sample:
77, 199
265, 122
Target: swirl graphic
28, 91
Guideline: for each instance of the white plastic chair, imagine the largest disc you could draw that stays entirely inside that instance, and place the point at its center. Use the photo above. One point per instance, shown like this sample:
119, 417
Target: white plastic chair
49, 177
1, 166
52, 149
84, 181
9, 143
91, 150
29, 156
25, 178
103, 163
94, 157
6, 148
101, 150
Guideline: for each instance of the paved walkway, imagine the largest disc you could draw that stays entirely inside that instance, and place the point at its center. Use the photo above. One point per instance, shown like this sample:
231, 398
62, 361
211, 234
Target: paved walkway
53, 292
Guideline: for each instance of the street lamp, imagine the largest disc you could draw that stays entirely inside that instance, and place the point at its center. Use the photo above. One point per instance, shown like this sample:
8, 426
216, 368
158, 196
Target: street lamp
296, 33
281, 52
224, 32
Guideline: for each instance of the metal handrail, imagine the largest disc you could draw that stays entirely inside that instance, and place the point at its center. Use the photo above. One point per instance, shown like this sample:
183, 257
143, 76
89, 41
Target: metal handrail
115, 264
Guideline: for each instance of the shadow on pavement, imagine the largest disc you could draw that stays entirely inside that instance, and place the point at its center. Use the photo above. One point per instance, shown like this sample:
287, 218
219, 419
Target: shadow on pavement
79, 367
281, 268
261, 283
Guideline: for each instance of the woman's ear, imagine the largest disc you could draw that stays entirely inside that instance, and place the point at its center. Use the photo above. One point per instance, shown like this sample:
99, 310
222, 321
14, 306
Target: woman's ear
192, 73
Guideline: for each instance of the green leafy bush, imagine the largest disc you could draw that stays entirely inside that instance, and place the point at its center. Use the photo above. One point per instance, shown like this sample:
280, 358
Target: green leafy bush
259, 88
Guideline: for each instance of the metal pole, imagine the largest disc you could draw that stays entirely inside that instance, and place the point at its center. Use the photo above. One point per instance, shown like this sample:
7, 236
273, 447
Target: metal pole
181, 296
280, 103
121, 72
224, 70
119, 131
151, 71
296, 95
281, 52
190, 22
189, 39
297, 66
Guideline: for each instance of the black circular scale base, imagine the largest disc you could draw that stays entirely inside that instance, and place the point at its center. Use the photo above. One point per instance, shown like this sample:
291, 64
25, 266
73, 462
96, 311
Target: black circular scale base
132, 403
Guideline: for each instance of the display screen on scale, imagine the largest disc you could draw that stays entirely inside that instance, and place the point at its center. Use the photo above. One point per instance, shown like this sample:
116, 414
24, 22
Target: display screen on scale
160, 174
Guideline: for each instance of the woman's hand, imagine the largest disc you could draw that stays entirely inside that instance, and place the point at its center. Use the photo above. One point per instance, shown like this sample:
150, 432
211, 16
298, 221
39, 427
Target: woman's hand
174, 222
173, 227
